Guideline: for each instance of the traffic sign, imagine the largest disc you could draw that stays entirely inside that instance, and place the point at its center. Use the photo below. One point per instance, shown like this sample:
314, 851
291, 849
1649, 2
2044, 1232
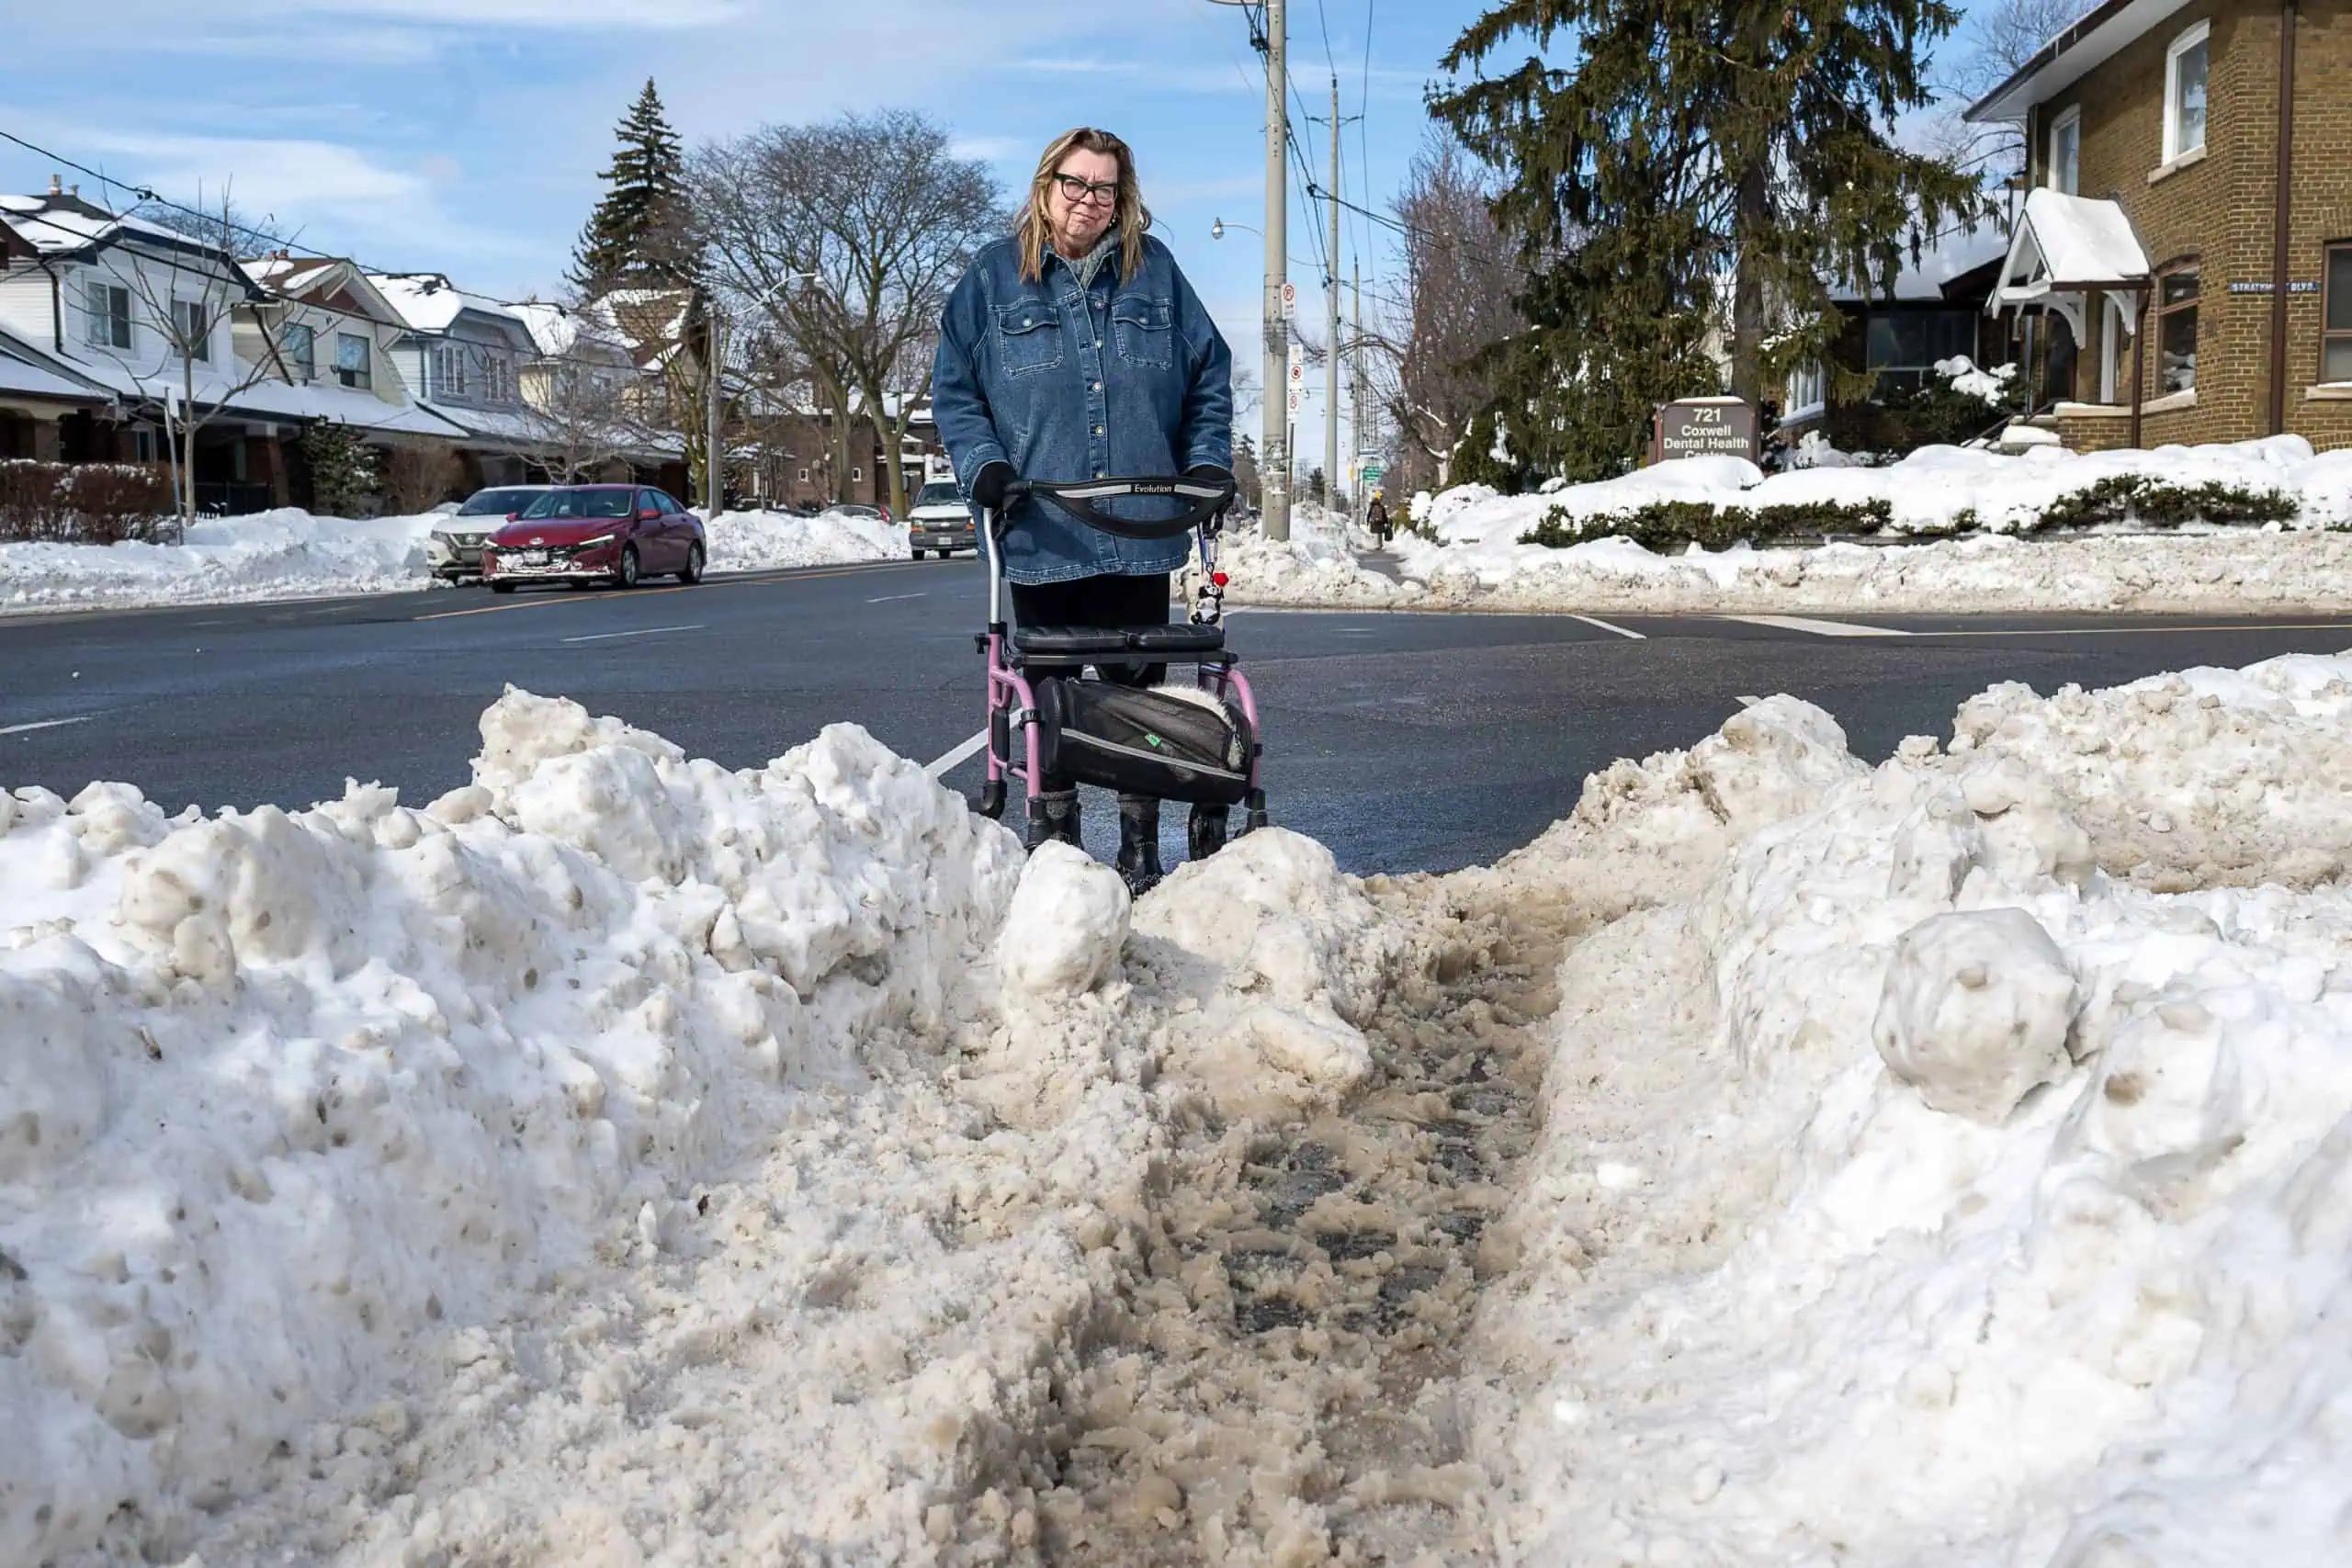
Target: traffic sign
1290, 299
1296, 398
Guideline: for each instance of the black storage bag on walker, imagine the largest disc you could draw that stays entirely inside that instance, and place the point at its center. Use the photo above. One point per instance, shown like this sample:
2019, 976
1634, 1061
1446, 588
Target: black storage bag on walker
1173, 742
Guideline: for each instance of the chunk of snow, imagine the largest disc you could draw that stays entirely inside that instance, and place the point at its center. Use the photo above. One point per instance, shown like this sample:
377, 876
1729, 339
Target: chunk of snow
1068, 922
1975, 1010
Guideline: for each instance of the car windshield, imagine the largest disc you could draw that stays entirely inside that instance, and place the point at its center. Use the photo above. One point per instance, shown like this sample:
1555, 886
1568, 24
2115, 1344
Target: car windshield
498, 503
936, 495
581, 503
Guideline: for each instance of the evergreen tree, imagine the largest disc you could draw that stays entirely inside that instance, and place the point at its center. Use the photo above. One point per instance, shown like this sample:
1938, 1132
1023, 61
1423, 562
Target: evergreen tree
637, 235
341, 467
1697, 155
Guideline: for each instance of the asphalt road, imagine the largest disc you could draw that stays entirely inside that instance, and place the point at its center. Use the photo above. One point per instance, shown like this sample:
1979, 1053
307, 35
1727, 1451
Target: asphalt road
1404, 741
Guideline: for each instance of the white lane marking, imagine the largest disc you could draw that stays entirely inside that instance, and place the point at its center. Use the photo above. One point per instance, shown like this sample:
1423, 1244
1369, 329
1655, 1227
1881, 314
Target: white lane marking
1818, 628
2149, 631
947, 764
43, 724
1609, 626
894, 598
648, 631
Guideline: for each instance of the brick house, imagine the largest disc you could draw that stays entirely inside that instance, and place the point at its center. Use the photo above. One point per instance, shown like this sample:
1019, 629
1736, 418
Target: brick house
2186, 253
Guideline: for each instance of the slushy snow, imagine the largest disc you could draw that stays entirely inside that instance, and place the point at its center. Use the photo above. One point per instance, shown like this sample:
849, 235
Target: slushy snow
1782, 1160
291, 554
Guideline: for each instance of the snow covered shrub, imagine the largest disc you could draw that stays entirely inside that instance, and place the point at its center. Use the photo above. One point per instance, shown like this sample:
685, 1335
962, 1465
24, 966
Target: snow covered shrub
89, 503
31, 507
2155, 503
1957, 405
341, 469
1672, 524
114, 502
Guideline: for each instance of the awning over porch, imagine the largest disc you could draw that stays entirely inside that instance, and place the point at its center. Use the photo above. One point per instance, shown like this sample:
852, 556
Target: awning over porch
2068, 245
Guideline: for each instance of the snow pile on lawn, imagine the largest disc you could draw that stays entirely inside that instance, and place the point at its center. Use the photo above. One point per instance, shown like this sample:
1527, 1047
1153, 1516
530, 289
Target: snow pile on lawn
1478, 560
1958, 1170
1317, 565
283, 554
762, 541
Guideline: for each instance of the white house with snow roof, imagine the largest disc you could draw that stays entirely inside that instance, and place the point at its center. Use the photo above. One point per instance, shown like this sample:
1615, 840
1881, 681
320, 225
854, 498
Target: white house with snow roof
157, 323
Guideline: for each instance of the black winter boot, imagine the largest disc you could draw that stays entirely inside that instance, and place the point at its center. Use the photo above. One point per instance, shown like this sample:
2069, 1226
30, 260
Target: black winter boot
1140, 843
1053, 815
1204, 834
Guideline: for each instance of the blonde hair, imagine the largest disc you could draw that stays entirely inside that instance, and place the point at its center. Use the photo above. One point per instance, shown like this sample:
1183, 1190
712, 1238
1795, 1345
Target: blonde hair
1034, 230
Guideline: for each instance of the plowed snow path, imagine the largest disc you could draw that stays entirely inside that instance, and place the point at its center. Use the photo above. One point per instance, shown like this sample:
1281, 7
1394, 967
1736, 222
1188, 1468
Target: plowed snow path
1279, 1378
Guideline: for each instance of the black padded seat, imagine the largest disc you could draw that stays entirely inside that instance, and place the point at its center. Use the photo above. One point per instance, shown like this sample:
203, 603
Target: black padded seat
1065, 641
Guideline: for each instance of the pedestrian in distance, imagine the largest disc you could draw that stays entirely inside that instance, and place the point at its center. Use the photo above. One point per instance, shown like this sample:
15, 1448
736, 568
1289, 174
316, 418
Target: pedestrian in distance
1074, 349
1376, 517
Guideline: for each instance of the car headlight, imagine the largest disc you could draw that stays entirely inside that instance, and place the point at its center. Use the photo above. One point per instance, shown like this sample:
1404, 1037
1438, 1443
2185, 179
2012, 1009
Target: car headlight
441, 539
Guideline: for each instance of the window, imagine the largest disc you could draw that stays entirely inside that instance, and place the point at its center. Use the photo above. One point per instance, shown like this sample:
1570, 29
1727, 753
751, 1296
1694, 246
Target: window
804, 475
450, 372
2177, 331
2185, 91
192, 325
669, 501
497, 378
109, 322
1807, 391
303, 352
1903, 346
352, 367
2065, 173
857, 476
2335, 314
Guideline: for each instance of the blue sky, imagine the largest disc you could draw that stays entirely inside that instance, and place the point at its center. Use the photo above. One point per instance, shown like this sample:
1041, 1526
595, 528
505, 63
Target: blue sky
465, 136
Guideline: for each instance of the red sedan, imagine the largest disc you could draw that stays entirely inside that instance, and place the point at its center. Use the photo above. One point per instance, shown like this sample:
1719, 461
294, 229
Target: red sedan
578, 533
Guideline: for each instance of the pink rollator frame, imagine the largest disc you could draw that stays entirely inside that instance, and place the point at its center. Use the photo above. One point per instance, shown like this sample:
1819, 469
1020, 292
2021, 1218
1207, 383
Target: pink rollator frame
1013, 745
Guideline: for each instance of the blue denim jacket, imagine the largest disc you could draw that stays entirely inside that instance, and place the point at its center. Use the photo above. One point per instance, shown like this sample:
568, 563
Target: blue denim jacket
1123, 378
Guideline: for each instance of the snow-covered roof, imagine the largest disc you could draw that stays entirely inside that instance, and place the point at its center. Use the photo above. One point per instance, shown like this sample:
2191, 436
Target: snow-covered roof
268, 399
2068, 243
63, 224
28, 372
556, 330
431, 303
1943, 261
314, 280
2088, 43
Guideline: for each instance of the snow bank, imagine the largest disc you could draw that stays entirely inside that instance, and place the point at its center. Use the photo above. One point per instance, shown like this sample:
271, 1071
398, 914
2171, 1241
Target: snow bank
1770, 1305
763, 541
291, 1097
283, 554
290, 554
1475, 561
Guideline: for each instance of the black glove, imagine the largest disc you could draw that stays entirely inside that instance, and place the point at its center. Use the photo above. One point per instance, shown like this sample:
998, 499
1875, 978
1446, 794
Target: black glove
989, 485
1209, 474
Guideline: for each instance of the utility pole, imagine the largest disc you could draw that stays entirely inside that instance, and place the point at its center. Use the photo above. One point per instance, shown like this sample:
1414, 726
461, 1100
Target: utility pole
1273, 338
714, 462
1331, 322
1355, 396
1273, 470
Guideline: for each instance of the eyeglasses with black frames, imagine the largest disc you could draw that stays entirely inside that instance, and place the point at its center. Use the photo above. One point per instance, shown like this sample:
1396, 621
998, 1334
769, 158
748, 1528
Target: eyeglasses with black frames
1077, 191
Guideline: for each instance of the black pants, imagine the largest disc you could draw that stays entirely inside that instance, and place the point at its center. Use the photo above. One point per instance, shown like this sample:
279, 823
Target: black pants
1097, 601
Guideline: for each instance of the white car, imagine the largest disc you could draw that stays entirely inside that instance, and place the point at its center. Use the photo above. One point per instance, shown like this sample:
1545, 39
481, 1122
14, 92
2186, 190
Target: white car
455, 549
940, 521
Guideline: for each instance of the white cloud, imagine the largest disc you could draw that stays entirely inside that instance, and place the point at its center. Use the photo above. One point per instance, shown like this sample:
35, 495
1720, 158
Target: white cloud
987, 149
354, 45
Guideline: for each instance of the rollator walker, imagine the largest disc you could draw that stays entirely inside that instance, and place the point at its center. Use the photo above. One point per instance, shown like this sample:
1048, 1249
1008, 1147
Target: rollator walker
1198, 744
